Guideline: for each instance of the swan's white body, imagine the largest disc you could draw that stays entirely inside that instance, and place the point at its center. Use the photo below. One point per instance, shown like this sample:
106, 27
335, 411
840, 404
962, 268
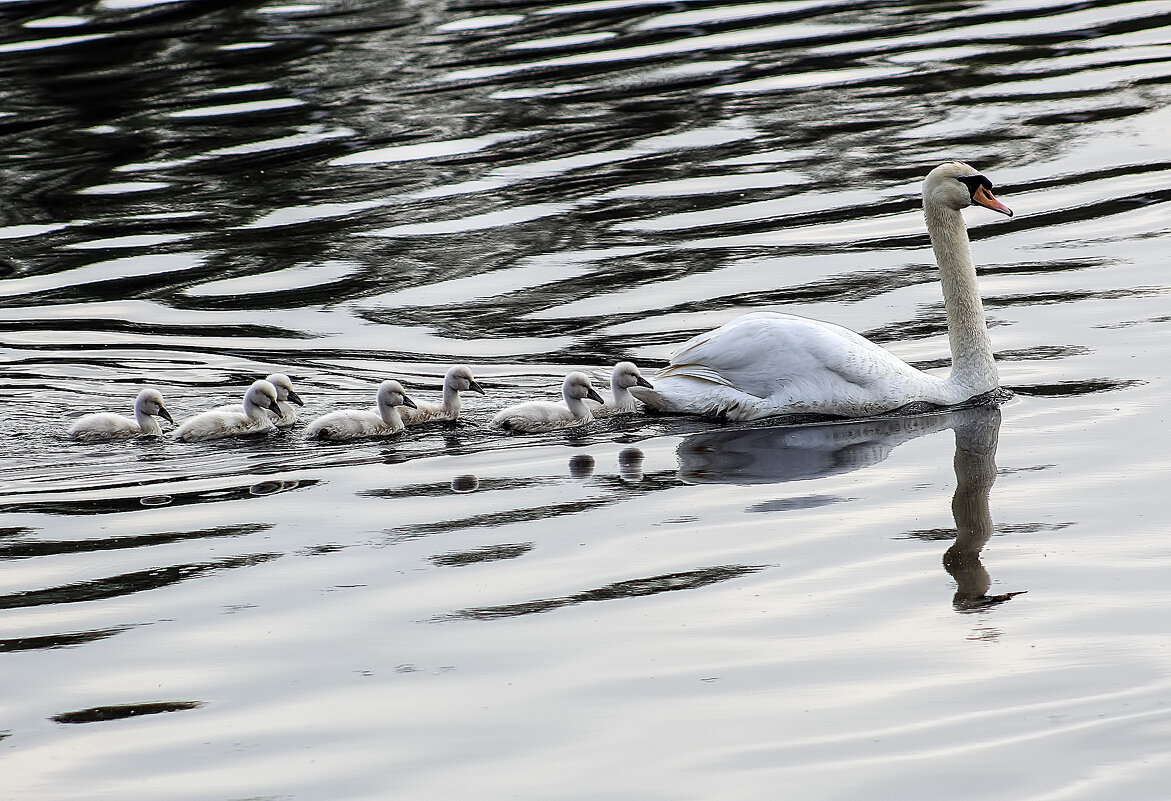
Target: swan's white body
254, 417
534, 416
381, 421
286, 397
458, 379
766, 364
624, 377
107, 425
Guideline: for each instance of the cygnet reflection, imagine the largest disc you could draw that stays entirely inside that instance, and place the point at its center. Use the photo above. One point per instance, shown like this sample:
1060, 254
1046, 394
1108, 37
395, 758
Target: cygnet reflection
630, 464
581, 465
465, 483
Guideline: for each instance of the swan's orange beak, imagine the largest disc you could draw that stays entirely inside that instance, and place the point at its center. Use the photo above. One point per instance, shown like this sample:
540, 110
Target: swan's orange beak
983, 197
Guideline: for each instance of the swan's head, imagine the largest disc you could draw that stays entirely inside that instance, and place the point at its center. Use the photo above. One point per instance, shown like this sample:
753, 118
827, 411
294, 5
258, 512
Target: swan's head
626, 375
460, 379
262, 394
391, 393
150, 401
956, 185
284, 388
576, 386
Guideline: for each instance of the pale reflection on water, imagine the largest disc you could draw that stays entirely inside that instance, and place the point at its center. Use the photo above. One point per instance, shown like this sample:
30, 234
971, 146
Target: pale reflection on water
809, 452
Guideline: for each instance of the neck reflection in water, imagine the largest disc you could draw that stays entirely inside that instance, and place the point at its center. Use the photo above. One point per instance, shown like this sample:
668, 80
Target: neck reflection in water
769, 455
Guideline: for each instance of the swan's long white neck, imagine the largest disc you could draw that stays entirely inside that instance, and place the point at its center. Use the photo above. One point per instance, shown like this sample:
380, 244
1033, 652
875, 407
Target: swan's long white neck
578, 407
973, 368
146, 422
450, 397
254, 410
621, 394
390, 415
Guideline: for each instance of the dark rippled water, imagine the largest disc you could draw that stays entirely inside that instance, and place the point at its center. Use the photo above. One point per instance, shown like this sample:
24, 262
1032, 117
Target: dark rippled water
195, 194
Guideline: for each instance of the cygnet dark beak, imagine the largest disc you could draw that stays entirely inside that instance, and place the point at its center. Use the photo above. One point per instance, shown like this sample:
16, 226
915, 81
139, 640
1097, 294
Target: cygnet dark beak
274, 406
642, 382
474, 387
594, 396
163, 413
410, 404
295, 398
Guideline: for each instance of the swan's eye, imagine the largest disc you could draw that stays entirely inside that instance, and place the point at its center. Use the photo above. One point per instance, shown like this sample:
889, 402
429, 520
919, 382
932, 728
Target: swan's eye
974, 182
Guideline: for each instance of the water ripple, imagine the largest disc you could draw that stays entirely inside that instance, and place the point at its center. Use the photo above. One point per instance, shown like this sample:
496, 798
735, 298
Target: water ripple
196, 195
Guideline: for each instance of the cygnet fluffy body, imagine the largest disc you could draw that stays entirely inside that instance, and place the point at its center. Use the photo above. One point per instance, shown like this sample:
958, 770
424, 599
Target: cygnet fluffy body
458, 379
383, 420
625, 376
107, 425
285, 398
534, 416
234, 421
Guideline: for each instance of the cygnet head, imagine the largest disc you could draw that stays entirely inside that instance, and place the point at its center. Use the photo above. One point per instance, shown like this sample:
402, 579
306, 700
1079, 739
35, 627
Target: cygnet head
284, 388
263, 395
150, 401
391, 393
626, 375
460, 378
956, 185
577, 386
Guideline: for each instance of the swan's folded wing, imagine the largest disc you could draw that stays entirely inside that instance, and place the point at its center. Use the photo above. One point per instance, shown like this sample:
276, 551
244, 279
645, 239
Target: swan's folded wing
700, 372
762, 352
752, 354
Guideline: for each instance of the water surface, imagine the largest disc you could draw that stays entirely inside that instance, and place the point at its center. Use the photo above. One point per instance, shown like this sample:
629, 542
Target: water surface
961, 604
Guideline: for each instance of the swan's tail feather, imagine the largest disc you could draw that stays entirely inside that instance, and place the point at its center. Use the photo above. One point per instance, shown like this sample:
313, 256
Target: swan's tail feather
687, 394
698, 372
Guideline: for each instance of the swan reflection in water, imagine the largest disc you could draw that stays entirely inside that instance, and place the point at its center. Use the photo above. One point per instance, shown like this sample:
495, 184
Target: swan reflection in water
793, 453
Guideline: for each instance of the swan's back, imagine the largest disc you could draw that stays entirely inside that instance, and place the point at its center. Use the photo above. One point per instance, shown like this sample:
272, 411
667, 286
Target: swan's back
104, 425
429, 412
535, 416
766, 363
348, 424
221, 423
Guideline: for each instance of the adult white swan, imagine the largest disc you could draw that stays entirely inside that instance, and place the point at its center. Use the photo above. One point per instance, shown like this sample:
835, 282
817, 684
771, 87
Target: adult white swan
107, 425
458, 379
765, 363
533, 416
381, 421
234, 421
624, 377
